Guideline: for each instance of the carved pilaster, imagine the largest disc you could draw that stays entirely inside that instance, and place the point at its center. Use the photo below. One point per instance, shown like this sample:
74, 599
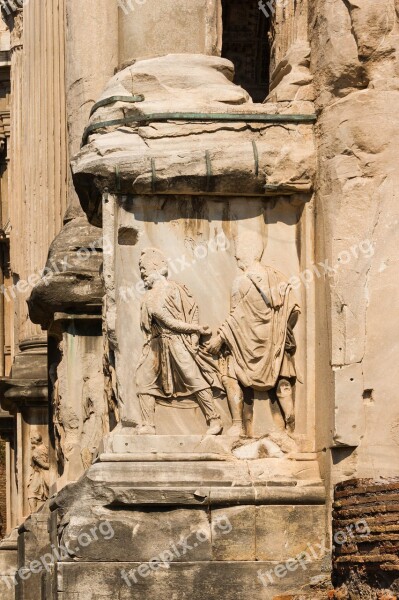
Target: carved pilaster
24, 395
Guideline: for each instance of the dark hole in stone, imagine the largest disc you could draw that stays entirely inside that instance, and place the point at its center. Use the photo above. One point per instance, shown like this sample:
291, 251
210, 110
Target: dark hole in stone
340, 454
368, 394
245, 43
127, 236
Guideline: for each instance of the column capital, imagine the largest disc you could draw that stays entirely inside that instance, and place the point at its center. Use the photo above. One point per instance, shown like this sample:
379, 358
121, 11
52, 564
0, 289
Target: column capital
12, 14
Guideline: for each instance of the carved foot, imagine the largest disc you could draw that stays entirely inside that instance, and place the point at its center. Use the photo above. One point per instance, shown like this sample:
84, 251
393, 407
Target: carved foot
215, 427
146, 430
235, 430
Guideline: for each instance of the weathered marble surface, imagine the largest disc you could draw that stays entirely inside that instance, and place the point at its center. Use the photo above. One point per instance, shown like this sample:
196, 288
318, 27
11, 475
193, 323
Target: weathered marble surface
354, 61
222, 227
125, 482
265, 519
188, 157
71, 278
292, 78
33, 543
191, 581
178, 186
78, 404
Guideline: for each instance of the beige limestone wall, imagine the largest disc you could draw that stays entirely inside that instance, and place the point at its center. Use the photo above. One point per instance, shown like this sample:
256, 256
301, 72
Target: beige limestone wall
357, 77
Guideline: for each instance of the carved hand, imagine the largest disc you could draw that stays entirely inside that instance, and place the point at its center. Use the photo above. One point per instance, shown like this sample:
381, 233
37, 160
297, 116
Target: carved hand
204, 330
214, 345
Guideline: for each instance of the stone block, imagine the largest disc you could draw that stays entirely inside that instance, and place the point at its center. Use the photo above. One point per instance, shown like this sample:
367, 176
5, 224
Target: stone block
188, 581
157, 446
8, 567
233, 533
33, 545
140, 535
283, 532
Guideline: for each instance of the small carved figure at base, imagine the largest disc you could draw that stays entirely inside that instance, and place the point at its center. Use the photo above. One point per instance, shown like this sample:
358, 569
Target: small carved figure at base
38, 487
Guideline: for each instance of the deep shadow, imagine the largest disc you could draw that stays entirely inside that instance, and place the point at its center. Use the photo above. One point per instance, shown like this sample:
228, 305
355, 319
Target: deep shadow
245, 43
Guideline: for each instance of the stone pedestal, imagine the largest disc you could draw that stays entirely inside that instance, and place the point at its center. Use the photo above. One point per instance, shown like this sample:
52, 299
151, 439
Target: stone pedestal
33, 545
181, 515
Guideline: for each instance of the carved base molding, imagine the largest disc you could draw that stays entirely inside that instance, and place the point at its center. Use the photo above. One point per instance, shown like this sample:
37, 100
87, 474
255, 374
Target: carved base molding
239, 520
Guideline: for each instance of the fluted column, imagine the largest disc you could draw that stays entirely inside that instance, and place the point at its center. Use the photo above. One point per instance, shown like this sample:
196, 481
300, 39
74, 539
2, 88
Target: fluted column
16, 180
44, 164
37, 187
38, 165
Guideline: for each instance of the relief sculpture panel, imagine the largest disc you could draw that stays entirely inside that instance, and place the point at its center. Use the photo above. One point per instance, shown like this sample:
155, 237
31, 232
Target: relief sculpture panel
208, 323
